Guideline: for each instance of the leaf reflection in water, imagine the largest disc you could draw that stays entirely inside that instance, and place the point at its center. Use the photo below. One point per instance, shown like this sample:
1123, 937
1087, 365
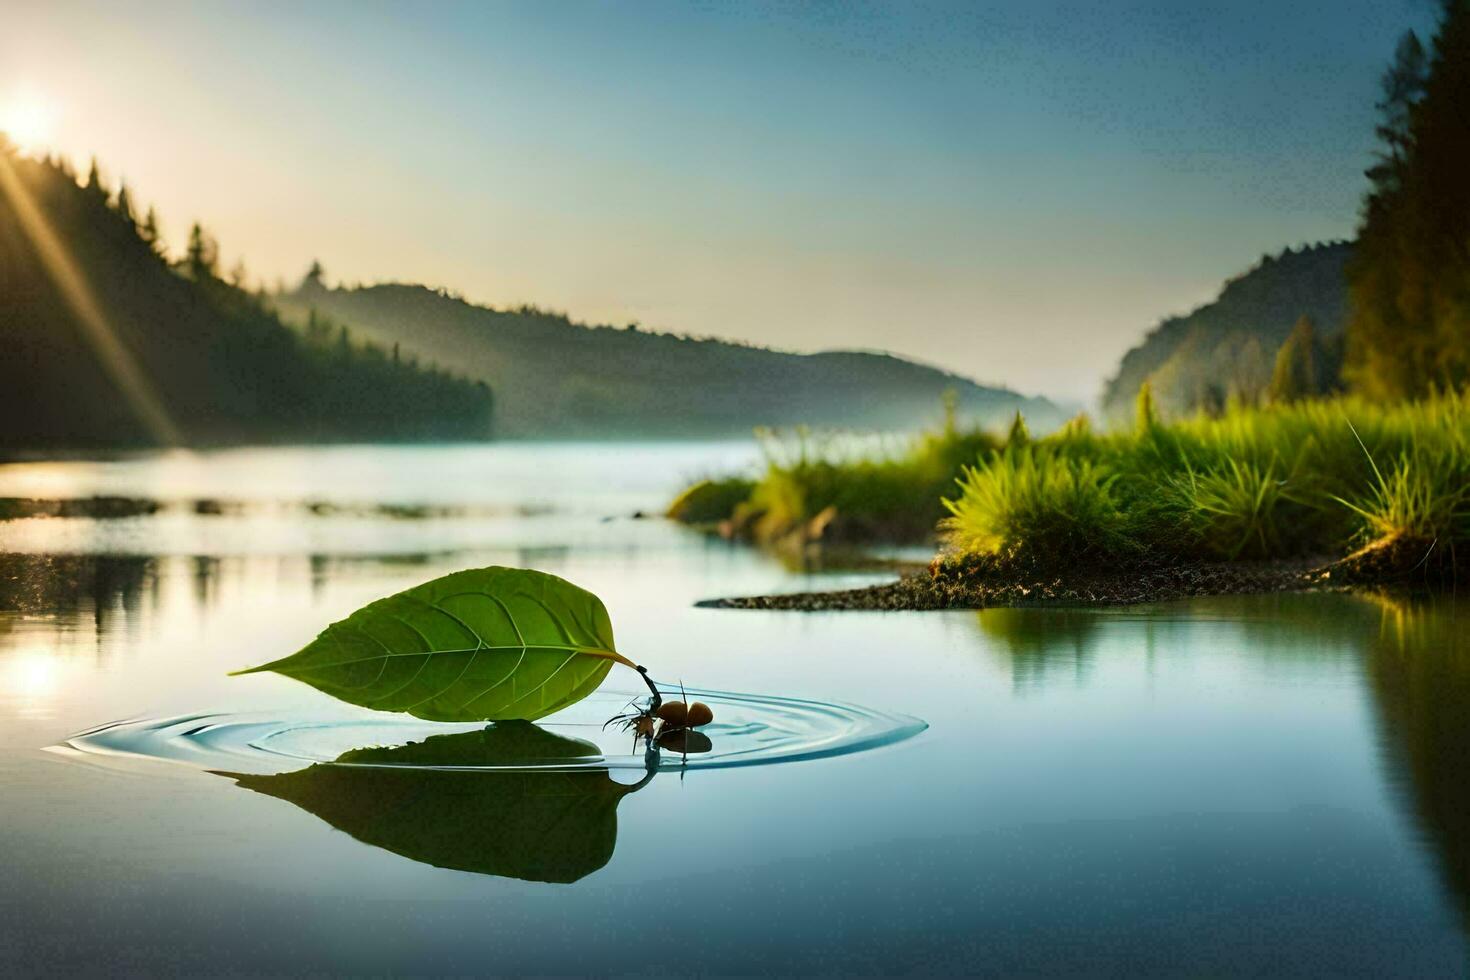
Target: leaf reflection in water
454, 801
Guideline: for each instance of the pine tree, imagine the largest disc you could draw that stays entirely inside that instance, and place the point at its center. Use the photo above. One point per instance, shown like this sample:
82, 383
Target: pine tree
1296, 373
94, 181
1251, 374
124, 205
1403, 86
1410, 279
150, 232
313, 279
201, 259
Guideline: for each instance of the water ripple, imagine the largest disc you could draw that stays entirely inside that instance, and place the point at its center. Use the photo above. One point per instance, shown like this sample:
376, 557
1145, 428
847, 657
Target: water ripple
749, 730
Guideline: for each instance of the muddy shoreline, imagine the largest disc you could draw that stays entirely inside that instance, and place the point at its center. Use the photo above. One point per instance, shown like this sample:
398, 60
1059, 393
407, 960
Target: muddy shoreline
942, 585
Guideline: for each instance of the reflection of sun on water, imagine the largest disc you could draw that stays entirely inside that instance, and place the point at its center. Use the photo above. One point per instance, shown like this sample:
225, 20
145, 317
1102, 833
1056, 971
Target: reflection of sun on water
43, 661
32, 680
27, 119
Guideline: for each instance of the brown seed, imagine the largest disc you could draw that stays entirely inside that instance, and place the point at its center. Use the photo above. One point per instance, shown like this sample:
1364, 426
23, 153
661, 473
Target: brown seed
673, 713
699, 714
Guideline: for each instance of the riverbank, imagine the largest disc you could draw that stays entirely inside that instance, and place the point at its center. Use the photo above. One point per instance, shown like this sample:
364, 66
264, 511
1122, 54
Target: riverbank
835, 489
1261, 499
925, 591
1409, 565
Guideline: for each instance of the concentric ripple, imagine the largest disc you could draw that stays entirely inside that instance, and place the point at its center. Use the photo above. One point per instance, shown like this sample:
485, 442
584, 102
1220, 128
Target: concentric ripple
749, 730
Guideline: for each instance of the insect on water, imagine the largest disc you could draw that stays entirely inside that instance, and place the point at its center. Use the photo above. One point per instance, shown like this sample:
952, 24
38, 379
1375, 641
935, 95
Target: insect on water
667, 723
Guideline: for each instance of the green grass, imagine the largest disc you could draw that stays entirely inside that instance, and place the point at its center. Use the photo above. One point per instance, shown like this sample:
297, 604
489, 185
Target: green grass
1057, 503
875, 490
1422, 496
1314, 479
872, 489
710, 501
1306, 479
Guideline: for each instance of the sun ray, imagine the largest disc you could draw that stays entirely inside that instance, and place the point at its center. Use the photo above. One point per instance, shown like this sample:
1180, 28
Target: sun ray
72, 284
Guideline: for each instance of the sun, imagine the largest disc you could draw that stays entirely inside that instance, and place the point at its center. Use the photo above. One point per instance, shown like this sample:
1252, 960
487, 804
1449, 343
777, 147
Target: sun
27, 120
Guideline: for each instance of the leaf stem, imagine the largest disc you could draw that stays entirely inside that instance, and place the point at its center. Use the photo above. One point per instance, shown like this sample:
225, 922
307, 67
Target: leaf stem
658, 698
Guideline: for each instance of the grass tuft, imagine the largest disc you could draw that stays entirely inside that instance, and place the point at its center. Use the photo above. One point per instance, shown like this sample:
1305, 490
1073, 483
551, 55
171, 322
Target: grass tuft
1026, 501
710, 501
1272, 482
1288, 481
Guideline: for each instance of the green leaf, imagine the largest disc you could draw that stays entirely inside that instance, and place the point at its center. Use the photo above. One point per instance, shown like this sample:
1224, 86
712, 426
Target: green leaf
487, 644
537, 826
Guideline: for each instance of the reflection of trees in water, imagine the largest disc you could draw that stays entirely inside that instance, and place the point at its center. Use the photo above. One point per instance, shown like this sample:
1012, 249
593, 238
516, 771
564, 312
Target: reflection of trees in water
1415, 655
542, 555
324, 568
76, 588
554, 826
1047, 644
321, 567
86, 593
1419, 671
1042, 643
206, 581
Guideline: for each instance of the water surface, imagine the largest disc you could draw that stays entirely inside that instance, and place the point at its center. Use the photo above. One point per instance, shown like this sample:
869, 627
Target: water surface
1250, 784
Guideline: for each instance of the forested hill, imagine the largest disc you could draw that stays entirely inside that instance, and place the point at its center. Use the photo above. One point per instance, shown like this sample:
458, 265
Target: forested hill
556, 378
1228, 347
107, 344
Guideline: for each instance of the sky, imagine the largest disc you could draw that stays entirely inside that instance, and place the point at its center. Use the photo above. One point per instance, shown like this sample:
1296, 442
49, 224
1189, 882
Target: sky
1015, 191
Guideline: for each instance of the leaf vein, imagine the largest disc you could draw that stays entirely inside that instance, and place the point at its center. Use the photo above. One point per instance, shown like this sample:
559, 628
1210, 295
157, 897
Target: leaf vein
555, 619
471, 630
510, 674
568, 647
542, 686
381, 698
446, 687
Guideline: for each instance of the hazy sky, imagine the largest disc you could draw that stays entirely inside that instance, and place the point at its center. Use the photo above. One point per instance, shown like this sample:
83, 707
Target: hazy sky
1013, 190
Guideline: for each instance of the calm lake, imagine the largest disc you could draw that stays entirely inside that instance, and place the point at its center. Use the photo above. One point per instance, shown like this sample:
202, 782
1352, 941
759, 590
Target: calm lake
1264, 784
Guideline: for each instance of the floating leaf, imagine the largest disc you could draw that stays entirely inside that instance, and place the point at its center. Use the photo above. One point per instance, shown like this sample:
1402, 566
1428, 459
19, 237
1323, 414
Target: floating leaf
487, 644
555, 826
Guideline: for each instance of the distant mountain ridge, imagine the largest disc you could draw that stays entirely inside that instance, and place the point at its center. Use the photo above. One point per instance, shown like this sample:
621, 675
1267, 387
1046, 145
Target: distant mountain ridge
556, 378
1228, 346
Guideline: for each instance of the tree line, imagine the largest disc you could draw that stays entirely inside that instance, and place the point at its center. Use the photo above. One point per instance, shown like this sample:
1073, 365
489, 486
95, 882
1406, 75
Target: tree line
1409, 282
1408, 328
224, 365
1386, 316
